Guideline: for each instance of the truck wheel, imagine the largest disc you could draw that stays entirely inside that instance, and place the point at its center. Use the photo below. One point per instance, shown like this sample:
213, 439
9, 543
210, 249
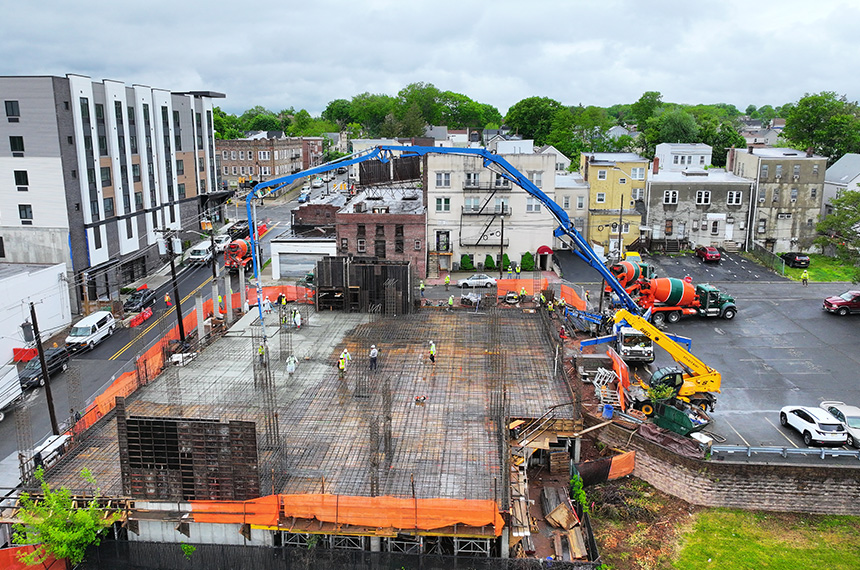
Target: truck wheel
647, 409
730, 313
673, 317
658, 319
843, 311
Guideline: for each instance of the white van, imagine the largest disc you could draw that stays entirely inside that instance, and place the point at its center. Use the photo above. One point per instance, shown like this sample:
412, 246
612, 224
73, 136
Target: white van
90, 331
200, 253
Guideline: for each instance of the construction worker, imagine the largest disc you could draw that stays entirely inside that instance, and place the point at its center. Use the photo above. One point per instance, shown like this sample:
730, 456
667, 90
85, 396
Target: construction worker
261, 352
523, 293
167, 302
432, 352
292, 363
804, 277
346, 355
341, 366
542, 300
298, 320
220, 303
421, 287
451, 303
447, 281
562, 304
518, 271
550, 307
282, 299
374, 353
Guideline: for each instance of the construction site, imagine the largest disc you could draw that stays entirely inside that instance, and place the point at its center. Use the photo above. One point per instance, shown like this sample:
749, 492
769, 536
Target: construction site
261, 440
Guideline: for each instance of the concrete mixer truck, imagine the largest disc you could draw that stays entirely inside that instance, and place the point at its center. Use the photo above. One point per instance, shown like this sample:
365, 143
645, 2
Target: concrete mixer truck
669, 299
628, 273
238, 256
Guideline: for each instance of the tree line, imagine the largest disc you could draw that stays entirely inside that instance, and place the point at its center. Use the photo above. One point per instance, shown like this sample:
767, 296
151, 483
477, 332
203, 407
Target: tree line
826, 122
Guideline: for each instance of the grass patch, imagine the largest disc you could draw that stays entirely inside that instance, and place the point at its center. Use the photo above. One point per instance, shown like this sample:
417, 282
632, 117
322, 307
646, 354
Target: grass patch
823, 268
731, 539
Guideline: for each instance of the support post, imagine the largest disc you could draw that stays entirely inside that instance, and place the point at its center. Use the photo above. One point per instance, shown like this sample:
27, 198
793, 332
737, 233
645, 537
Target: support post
48, 395
228, 301
176, 298
198, 303
243, 295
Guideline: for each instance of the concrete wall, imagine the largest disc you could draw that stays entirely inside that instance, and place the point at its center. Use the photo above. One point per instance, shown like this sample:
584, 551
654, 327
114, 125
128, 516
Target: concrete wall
830, 489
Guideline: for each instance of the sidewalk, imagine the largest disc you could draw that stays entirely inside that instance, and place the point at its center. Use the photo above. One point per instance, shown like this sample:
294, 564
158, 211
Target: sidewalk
550, 276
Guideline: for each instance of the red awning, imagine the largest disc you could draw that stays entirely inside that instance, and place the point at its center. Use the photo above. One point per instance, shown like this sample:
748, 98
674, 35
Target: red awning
544, 250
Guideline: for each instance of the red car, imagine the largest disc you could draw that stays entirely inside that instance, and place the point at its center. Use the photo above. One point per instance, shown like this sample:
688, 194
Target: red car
847, 302
708, 253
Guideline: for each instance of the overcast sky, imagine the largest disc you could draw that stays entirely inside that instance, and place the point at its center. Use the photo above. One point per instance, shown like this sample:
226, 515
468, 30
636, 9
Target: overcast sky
305, 54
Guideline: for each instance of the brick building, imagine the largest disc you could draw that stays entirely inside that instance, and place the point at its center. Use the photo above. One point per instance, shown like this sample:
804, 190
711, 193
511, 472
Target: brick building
260, 156
386, 223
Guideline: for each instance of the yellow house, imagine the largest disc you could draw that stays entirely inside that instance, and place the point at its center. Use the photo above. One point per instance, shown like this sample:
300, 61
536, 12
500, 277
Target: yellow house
616, 180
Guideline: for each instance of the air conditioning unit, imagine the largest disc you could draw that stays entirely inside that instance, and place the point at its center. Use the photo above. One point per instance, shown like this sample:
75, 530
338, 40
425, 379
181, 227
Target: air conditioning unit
796, 177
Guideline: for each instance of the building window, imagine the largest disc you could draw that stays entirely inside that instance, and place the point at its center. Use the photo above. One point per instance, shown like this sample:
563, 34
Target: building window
637, 193
472, 179
670, 197
761, 194
734, 198
667, 228
443, 204
580, 202
566, 204
703, 197
715, 227
25, 212
17, 145
398, 245
138, 200
794, 194
764, 171
473, 204
813, 192
379, 248
380, 230
501, 181
13, 112
622, 181
418, 245
702, 160
232, 155
775, 195
103, 145
536, 178
2, 248
105, 174
796, 171
443, 180
532, 204
85, 108
778, 172
180, 188
600, 198
242, 170
344, 244
180, 167
225, 155
135, 172
601, 175
265, 155
675, 159
21, 179
234, 171
762, 225
815, 170
501, 206
108, 202
808, 225
100, 112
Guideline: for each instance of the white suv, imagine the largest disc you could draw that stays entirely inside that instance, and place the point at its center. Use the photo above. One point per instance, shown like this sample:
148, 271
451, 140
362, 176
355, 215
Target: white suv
814, 424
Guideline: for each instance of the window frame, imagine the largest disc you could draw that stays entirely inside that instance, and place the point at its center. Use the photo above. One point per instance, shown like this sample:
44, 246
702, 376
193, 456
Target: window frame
670, 197
703, 197
443, 204
600, 198
25, 214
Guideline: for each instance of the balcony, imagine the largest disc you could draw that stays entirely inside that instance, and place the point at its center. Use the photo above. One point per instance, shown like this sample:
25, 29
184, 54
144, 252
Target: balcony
487, 187
487, 211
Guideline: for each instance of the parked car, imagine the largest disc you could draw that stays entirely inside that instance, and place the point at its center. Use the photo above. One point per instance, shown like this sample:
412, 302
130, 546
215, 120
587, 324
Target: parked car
317, 183
708, 253
239, 230
139, 300
304, 197
90, 331
221, 242
341, 170
56, 360
848, 415
795, 259
477, 280
814, 424
847, 302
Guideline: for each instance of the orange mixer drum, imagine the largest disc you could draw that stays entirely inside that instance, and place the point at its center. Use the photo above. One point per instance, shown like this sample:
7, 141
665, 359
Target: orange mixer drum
626, 272
673, 291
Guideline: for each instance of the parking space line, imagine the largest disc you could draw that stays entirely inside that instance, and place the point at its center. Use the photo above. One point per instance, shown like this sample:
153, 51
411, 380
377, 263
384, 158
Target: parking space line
738, 433
780, 432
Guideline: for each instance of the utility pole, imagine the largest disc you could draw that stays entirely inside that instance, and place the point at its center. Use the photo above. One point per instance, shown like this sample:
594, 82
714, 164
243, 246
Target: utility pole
502, 247
48, 396
169, 239
620, 225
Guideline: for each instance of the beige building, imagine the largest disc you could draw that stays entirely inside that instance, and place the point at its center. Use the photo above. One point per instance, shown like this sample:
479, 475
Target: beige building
789, 191
259, 157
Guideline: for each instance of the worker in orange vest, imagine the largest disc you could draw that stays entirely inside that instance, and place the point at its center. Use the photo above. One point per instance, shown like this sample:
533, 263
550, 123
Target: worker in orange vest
167, 302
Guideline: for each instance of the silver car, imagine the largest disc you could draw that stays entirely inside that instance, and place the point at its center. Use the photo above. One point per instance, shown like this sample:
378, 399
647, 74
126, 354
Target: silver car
477, 280
849, 416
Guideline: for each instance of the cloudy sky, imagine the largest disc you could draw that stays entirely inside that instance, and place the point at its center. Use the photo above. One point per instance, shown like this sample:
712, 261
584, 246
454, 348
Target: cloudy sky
305, 54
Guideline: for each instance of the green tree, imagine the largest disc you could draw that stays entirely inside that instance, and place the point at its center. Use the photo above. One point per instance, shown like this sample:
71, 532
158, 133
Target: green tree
840, 231
338, 111
489, 263
227, 127
506, 262
371, 110
675, 126
825, 122
527, 262
532, 118
751, 111
425, 96
413, 123
390, 127
56, 526
645, 108
767, 113
466, 263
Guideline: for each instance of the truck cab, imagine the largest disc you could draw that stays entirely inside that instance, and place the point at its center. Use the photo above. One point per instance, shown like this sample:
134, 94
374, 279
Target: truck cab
715, 303
634, 346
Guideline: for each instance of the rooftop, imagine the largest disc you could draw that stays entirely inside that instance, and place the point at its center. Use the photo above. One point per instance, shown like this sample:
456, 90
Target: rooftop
615, 157
13, 269
698, 176
397, 200
777, 152
844, 170
363, 434
570, 180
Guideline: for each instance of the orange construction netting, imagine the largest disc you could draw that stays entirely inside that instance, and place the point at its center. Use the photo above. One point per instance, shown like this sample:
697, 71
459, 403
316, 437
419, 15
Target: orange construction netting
623, 372
379, 512
571, 298
515, 285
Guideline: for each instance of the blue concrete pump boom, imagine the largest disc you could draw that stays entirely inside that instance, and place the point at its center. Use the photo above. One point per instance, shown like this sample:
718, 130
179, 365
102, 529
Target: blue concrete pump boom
503, 168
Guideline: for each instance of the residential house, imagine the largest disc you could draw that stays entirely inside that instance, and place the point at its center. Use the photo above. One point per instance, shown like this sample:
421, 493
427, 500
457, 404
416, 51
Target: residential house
91, 170
697, 207
760, 137
258, 157
474, 211
616, 181
571, 193
681, 156
562, 163
312, 152
789, 188
843, 175
385, 223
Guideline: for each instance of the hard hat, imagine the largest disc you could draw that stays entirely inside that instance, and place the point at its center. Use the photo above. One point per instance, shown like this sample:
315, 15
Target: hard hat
431, 342
372, 346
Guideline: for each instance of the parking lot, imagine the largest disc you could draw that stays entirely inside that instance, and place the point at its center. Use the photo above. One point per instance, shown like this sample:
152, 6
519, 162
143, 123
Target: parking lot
732, 267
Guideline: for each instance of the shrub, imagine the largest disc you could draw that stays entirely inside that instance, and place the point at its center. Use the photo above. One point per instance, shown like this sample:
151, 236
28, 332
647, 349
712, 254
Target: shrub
506, 262
466, 263
577, 493
527, 262
489, 262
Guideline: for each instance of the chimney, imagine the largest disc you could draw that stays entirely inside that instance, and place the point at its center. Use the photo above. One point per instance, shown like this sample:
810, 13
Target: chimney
730, 163
809, 152
749, 148
656, 167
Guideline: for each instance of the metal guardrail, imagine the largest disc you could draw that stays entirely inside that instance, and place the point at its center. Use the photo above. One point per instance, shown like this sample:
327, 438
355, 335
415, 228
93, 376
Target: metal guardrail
823, 453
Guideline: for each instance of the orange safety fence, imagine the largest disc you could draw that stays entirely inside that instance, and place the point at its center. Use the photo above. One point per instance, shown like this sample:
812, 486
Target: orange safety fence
622, 465
622, 371
515, 285
380, 512
570, 297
